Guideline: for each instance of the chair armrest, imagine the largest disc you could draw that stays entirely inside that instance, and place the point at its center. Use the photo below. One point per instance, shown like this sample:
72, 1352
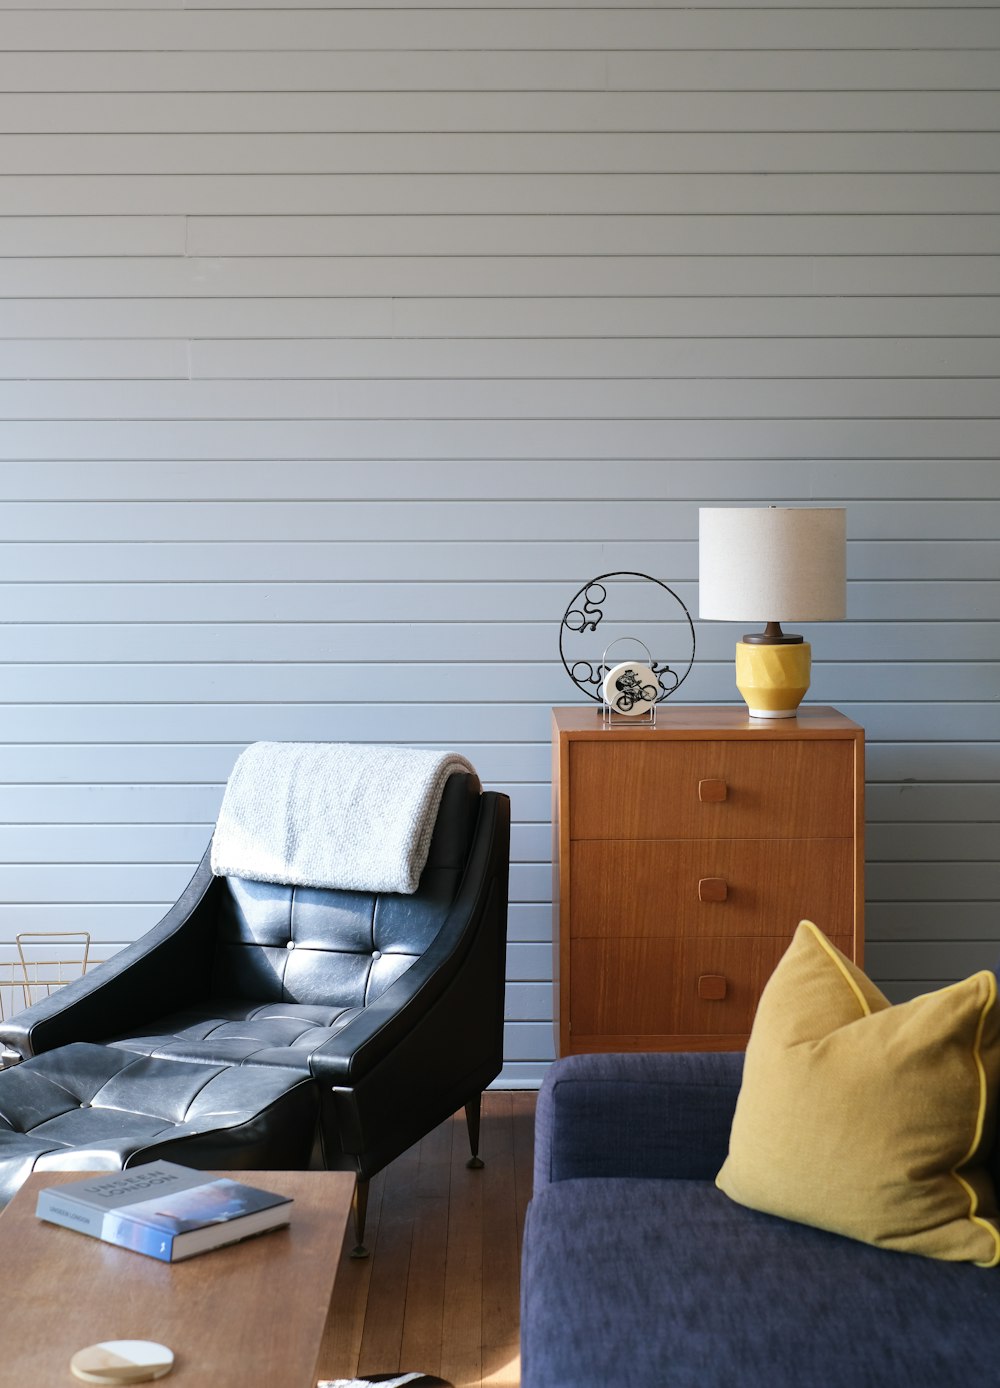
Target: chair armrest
409, 1002
649, 1115
162, 971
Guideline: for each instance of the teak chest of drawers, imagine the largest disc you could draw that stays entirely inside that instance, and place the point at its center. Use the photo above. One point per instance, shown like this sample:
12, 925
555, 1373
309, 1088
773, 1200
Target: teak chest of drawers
684, 856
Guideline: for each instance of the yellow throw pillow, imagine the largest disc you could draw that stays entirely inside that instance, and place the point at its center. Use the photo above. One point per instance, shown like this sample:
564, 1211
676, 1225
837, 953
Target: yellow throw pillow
867, 1119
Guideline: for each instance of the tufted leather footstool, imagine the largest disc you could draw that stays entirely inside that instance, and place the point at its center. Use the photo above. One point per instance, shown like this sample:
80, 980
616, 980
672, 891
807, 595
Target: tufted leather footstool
84, 1107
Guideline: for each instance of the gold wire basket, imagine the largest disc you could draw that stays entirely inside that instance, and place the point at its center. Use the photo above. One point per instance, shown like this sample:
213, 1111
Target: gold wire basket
46, 960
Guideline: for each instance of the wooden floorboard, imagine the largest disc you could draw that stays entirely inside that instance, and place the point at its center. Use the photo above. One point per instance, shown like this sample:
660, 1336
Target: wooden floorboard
500, 1286
346, 1322
382, 1338
439, 1292
423, 1317
524, 1154
462, 1329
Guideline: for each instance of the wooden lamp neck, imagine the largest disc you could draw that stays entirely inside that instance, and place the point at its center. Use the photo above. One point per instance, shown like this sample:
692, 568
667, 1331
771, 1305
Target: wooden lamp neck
772, 635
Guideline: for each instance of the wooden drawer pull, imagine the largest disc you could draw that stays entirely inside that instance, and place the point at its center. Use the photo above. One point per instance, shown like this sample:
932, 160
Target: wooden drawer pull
712, 987
712, 889
712, 792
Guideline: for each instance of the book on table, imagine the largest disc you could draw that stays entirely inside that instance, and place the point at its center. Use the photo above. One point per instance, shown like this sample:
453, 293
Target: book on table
164, 1210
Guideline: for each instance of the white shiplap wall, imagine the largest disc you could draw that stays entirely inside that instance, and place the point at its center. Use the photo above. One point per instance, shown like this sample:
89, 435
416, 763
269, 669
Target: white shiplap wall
339, 345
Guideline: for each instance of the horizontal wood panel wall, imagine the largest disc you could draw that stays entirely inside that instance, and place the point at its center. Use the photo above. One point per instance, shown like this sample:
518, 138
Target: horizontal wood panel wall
340, 344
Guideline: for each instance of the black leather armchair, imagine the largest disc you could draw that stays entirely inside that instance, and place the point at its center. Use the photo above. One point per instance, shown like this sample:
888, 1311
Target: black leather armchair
392, 1004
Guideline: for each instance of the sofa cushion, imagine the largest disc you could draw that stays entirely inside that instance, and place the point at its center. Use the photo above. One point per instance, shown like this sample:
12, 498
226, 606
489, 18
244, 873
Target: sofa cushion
630, 1283
295, 944
868, 1119
233, 1031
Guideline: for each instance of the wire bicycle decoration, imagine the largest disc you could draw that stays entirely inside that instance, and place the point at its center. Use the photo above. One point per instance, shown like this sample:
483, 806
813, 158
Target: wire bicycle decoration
636, 688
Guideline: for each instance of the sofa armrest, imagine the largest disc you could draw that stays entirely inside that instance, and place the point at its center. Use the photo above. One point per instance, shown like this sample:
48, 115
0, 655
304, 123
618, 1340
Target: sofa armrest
662, 1115
163, 970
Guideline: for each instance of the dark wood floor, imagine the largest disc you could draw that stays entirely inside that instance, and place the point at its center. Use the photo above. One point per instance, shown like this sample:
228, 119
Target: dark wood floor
439, 1293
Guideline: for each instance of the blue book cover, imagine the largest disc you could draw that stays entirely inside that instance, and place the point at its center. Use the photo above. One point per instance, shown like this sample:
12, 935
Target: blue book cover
163, 1210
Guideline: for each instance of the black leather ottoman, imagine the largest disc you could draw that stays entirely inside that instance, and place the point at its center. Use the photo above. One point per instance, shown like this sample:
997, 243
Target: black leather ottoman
83, 1107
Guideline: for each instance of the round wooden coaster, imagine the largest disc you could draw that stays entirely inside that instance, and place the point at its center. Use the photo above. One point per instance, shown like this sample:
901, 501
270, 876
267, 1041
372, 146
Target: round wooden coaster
122, 1361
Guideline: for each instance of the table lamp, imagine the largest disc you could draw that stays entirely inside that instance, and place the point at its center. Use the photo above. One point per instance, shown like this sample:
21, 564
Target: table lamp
772, 565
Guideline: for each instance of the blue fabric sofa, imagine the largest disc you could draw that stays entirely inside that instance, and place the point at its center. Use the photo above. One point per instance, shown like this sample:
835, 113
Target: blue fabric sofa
638, 1273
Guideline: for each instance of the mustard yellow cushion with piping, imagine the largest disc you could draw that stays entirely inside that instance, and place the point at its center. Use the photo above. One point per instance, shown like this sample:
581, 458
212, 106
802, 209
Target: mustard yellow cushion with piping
867, 1119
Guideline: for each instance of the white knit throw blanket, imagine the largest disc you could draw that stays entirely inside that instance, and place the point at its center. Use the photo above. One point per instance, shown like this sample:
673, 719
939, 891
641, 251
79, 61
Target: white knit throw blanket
331, 814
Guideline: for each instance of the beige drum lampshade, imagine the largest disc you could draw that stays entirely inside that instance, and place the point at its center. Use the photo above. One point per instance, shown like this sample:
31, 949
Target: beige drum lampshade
772, 564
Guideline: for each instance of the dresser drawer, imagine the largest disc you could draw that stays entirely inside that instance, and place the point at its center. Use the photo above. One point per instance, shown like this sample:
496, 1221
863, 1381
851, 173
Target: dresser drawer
669, 987
711, 789
690, 887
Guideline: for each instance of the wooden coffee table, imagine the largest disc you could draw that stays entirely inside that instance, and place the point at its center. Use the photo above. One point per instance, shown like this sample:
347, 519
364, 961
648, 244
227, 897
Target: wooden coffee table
250, 1315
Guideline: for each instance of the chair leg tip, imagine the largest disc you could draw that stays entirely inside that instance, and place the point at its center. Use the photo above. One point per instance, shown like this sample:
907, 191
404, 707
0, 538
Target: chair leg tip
359, 1251
475, 1163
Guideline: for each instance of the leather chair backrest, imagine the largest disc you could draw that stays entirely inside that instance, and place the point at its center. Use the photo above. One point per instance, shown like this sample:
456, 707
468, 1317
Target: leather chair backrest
340, 949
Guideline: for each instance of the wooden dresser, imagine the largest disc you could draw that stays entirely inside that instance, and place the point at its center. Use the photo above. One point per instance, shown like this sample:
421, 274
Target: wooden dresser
684, 856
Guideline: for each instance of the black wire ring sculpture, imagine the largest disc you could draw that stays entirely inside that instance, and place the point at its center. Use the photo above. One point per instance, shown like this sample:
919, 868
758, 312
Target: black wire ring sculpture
586, 611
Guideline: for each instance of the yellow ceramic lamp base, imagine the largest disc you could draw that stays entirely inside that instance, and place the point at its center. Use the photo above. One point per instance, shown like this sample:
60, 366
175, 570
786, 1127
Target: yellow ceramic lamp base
773, 679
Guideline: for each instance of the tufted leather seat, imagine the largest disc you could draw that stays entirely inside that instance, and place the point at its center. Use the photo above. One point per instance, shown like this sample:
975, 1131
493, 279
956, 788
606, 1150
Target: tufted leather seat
93, 1108
392, 1005
240, 1032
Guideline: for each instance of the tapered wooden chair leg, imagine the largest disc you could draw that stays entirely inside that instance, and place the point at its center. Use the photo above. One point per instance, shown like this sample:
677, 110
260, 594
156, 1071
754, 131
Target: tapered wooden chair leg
472, 1112
359, 1207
